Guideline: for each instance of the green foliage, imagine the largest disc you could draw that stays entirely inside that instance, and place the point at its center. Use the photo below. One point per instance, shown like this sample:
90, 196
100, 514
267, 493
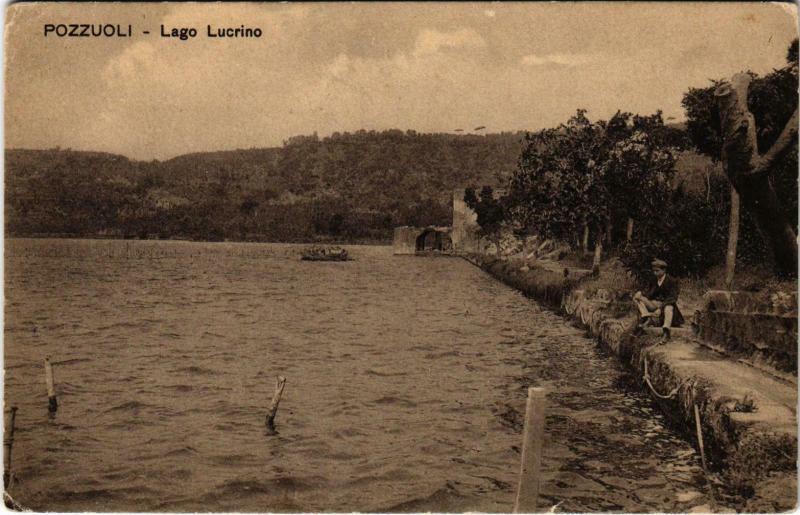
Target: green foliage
791, 54
691, 234
756, 457
702, 122
345, 187
638, 170
772, 99
489, 210
592, 173
554, 186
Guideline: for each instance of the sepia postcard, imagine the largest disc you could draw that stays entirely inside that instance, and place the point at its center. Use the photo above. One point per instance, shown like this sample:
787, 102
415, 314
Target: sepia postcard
493, 257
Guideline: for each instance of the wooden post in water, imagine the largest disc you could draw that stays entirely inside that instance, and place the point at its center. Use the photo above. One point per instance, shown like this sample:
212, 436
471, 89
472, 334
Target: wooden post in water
51, 388
533, 435
276, 399
9, 443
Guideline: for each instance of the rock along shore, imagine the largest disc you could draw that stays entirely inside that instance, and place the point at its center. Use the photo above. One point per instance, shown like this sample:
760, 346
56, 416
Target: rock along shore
748, 416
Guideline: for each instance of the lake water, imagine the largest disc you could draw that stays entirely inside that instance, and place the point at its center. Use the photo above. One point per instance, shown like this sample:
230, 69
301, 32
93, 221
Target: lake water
406, 384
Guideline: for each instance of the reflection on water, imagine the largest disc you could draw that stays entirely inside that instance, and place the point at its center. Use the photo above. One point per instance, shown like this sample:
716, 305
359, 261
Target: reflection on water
406, 386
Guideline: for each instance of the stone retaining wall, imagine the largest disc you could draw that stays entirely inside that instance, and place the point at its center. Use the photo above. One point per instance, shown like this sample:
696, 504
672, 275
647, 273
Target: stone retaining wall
755, 448
405, 240
759, 327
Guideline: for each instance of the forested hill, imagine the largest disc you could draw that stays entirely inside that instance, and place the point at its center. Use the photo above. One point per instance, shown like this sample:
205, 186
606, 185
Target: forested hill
350, 186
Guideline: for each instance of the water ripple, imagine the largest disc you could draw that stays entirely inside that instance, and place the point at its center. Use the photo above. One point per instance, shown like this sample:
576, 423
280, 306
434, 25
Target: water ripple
406, 383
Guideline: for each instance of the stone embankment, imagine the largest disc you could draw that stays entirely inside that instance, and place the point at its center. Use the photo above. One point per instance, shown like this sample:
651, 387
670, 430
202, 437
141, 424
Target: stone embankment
737, 365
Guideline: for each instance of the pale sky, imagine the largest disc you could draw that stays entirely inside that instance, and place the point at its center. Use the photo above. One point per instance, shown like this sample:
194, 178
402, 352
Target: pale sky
344, 67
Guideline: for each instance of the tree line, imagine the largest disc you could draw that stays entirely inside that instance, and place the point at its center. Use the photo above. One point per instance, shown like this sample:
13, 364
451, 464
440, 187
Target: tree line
345, 187
613, 183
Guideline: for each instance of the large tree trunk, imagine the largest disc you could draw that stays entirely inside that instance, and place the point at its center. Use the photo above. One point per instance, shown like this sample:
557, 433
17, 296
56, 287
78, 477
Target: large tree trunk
750, 174
733, 239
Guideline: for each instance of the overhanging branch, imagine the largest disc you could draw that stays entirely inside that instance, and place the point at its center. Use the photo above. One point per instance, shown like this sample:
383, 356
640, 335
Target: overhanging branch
749, 173
778, 149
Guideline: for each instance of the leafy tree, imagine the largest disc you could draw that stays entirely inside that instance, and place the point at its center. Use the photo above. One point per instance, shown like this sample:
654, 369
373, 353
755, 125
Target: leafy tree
592, 174
554, 184
772, 100
791, 54
638, 169
689, 234
490, 212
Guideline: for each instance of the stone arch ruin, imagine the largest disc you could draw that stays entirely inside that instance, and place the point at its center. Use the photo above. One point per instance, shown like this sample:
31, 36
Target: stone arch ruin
422, 240
434, 239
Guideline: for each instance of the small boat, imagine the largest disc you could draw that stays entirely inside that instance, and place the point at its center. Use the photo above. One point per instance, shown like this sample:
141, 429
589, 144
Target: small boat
316, 253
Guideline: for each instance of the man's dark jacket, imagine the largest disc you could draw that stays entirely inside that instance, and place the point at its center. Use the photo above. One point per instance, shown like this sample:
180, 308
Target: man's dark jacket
667, 294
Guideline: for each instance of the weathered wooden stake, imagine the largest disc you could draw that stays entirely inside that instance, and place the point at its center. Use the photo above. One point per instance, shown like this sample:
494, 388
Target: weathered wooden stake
598, 254
585, 241
699, 435
51, 388
533, 435
276, 399
629, 230
9, 443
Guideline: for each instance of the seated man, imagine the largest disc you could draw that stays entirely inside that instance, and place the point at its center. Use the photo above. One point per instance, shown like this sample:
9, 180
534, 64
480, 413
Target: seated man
661, 302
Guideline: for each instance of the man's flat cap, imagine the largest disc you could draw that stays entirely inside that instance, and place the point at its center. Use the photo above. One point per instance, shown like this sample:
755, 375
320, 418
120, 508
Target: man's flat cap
659, 263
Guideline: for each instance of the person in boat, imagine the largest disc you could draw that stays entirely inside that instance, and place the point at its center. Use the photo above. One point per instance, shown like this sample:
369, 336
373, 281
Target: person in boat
659, 306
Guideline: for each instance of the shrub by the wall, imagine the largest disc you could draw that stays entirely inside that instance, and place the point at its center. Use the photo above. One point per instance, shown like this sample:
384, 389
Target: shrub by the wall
690, 234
